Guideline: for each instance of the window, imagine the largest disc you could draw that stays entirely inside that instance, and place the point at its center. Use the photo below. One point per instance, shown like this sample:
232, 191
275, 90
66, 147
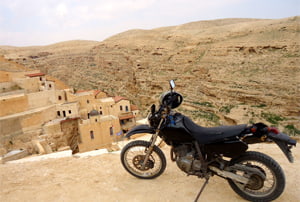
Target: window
122, 122
59, 97
50, 85
58, 113
111, 131
100, 112
126, 108
121, 108
92, 134
88, 101
96, 120
64, 113
70, 112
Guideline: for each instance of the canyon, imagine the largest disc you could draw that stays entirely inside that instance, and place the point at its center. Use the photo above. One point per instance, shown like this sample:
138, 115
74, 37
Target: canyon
230, 71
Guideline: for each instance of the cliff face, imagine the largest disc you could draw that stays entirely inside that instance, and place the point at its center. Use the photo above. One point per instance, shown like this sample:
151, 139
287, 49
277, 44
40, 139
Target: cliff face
229, 71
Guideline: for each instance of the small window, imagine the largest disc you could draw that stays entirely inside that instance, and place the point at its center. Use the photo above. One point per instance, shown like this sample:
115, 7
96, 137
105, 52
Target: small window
100, 107
126, 108
59, 97
58, 113
70, 112
96, 120
41, 79
121, 107
88, 101
100, 112
111, 131
50, 85
92, 134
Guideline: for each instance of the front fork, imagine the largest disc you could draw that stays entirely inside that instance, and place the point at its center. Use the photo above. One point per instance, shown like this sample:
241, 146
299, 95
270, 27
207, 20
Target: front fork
153, 140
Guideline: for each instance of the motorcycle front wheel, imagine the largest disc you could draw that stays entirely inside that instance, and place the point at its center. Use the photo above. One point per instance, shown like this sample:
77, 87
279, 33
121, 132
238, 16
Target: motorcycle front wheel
259, 188
133, 155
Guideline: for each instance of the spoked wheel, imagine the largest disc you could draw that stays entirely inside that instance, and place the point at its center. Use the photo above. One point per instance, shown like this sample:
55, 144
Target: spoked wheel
132, 158
266, 185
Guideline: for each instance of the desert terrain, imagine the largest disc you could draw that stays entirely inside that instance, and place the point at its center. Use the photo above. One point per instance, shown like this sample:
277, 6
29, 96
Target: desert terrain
230, 71
102, 178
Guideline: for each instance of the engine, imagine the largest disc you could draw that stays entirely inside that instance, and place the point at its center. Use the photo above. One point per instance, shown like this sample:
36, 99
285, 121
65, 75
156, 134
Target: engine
185, 159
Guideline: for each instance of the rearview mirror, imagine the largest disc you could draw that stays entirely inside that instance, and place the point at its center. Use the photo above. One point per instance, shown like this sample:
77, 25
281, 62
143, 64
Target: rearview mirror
172, 84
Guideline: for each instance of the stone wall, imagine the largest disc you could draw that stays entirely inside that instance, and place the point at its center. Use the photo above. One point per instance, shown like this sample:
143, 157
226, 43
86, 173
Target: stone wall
98, 132
17, 131
67, 110
12, 104
4, 76
30, 84
41, 99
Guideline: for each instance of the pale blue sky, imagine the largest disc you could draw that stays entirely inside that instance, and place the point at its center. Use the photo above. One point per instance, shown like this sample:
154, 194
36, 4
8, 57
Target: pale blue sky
43, 22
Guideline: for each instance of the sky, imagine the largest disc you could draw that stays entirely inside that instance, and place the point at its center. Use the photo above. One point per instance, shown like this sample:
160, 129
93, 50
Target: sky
44, 22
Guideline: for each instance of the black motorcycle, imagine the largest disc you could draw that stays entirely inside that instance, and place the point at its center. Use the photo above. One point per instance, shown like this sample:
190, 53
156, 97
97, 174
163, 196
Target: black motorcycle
205, 152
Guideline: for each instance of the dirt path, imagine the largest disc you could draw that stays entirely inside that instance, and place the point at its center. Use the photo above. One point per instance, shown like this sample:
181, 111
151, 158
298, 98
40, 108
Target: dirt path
102, 178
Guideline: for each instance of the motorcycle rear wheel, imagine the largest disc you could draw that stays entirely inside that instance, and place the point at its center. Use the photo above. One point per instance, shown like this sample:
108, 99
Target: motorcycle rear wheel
132, 158
267, 189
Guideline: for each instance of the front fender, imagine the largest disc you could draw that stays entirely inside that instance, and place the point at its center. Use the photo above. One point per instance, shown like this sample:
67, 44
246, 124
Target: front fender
140, 129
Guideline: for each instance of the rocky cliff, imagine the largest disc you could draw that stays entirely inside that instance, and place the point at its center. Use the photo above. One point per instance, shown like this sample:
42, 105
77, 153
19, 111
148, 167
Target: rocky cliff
230, 71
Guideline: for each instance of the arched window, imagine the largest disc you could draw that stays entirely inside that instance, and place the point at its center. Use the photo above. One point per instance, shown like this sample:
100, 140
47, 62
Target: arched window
126, 108
92, 135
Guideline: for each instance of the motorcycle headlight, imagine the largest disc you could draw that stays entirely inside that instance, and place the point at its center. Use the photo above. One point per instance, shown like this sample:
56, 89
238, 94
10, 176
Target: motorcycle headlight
171, 99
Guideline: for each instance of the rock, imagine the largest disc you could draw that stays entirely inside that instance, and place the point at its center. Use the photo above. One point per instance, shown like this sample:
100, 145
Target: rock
14, 155
64, 148
38, 147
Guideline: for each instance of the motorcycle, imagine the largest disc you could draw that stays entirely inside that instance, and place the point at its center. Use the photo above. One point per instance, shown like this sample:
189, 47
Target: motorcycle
205, 152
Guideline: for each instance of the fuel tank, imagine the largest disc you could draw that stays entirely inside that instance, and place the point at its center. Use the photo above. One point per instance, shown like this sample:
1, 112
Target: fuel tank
175, 131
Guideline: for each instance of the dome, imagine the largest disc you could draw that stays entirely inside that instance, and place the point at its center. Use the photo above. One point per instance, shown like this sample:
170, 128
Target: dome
94, 113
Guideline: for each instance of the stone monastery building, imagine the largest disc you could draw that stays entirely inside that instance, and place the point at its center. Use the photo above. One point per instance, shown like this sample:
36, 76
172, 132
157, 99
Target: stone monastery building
37, 116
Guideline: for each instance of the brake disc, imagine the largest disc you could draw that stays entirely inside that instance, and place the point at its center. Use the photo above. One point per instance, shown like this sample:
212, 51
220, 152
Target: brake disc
139, 160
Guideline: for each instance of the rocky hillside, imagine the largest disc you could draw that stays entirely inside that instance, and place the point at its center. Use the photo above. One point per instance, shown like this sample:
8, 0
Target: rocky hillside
230, 71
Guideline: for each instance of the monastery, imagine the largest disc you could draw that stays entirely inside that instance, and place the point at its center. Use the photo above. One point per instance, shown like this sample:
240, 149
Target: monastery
39, 117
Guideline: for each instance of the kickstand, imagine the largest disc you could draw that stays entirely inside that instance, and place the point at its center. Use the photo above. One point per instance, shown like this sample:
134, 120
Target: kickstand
202, 188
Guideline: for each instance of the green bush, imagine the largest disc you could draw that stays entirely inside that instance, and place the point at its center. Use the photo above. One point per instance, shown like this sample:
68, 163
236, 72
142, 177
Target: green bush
291, 130
226, 109
272, 118
206, 115
259, 106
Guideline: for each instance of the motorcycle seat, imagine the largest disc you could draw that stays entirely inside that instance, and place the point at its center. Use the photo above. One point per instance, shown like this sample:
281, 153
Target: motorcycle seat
212, 134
